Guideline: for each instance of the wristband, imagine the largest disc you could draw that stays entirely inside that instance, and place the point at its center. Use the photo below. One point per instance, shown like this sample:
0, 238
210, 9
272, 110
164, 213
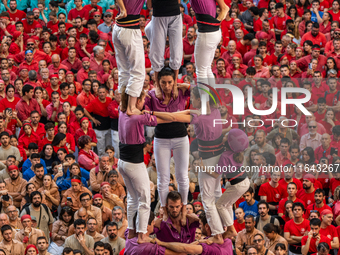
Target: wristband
110, 89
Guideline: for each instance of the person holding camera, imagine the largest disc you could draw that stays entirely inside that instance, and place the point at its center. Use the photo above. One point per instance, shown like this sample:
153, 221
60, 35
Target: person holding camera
99, 173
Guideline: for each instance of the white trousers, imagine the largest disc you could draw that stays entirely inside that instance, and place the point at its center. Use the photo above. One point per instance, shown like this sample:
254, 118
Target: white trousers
55, 249
205, 46
115, 142
157, 31
225, 203
103, 140
210, 189
137, 183
162, 151
130, 59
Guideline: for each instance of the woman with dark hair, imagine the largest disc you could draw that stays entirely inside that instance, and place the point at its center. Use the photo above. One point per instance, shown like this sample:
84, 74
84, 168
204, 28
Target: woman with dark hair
85, 130
307, 45
62, 75
330, 64
38, 95
49, 198
190, 208
28, 137
292, 12
49, 156
59, 141
280, 249
70, 143
106, 70
108, 249
110, 150
276, 141
60, 230
301, 6
47, 48
272, 231
288, 213
30, 187
94, 87
170, 138
10, 101
335, 10
308, 155
87, 158
70, 116
329, 121
325, 25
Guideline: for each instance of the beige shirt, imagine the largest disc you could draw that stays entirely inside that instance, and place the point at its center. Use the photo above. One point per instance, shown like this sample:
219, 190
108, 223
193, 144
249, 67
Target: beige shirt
59, 228
46, 200
75, 197
97, 237
263, 251
16, 224
35, 233
38, 184
152, 174
117, 245
17, 248
16, 187
97, 179
74, 244
121, 231
96, 213
119, 191
112, 201
11, 151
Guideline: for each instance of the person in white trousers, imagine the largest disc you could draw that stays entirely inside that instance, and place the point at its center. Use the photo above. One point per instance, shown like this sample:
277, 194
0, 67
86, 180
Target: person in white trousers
129, 51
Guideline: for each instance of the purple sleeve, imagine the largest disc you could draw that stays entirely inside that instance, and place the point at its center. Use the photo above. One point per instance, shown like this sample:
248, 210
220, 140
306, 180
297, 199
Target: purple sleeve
154, 249
223, 161
195, 119
148, 101
187, 93
149, 120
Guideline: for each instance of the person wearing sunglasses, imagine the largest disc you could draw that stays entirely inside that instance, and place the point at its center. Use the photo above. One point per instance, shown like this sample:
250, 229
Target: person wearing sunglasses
259, 245
312, 138
106, 26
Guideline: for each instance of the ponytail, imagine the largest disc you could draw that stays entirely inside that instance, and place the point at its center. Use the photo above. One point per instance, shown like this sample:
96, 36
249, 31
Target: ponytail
239, 157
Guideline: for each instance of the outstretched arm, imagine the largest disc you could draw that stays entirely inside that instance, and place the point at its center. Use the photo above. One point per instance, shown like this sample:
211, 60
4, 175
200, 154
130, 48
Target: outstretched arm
181, 247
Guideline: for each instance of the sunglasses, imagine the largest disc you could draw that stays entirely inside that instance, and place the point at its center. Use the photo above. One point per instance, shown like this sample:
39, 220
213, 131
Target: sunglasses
337, 33
96, 16
30, 44
312, 126
108, 16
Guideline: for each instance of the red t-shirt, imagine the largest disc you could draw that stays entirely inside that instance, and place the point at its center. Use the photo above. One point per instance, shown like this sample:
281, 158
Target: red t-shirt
333, 184
308, 198
283, 201
314, 207
272, 194
28, 29
69, 99
312, 245
239, 226
4, 103
74, 13
296, 229
329, 232
284, 184
18, 15
280, 23
99, 108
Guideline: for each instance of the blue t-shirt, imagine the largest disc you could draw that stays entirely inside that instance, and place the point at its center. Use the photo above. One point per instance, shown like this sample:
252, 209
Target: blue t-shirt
314, 18
249, 209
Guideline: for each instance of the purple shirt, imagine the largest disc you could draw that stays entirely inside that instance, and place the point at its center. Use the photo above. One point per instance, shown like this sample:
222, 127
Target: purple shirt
133, 7
217, 249
204, 7
227, 159
167, 233
154, 104
134, 248
131, 128
204, 126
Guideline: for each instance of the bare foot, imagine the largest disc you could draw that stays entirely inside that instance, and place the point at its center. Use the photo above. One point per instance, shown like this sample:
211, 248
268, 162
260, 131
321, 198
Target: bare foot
143, 238
184, 216
230, 233
218, 239
131, 234
132, 109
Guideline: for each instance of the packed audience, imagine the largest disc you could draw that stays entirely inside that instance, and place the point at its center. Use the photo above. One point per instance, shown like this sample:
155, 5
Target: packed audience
66, 126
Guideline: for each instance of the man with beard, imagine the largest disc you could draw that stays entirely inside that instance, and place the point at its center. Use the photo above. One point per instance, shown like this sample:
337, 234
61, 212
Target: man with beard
311, 241
80, 241
116, 188
92, 227
319, 205
7, 77
118, 216
37, 13
168, 231
29, 23
291, 190
31, 172
83, 72
264, 218
13, 215
117, 243
15, 185
106, 212
40, 211
99, 175
261, 145
29, 63
7, 149
9, 245
11, 160
249, 206
42, 245
28, 235
93, 211
14, 13
307, 193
